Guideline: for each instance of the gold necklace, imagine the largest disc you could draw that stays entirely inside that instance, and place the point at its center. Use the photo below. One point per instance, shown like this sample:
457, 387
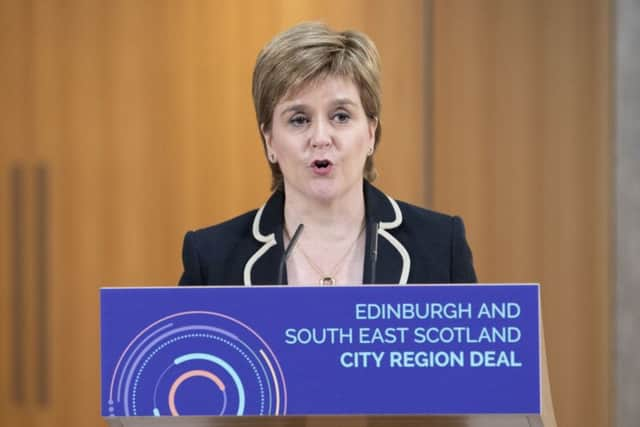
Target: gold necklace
327, 279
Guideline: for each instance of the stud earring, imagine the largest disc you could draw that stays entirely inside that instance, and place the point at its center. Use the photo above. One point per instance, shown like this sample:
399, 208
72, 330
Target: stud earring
370, 152
272, 157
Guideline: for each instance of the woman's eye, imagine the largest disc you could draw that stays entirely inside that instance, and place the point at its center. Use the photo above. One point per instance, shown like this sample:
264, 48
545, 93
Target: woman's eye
341, 117
299, 120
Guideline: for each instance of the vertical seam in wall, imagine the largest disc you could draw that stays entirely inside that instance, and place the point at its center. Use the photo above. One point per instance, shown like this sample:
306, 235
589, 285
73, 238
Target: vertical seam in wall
427, 82
613, 197
17, 282
42, 284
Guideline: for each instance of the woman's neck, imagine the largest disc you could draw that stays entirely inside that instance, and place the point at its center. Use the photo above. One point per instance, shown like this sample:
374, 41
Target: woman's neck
325, 220
331, 248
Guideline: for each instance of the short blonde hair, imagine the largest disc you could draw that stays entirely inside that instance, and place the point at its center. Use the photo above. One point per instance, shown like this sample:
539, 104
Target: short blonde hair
305, 53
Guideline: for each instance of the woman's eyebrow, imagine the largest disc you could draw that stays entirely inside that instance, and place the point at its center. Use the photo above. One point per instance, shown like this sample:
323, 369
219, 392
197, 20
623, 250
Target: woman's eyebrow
293, 107
338, 102
343, 101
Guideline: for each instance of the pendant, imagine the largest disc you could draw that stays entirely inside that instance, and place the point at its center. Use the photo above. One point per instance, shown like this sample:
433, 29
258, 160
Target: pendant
327, 281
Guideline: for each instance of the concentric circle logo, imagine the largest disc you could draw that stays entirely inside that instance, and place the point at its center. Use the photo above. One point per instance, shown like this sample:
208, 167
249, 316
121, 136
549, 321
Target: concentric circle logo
197, 363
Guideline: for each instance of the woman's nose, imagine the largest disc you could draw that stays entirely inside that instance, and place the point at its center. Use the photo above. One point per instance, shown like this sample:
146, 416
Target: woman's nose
321, 136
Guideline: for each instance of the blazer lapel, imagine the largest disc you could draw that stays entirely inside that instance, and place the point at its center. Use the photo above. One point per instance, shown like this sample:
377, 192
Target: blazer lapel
262, 266
393, 261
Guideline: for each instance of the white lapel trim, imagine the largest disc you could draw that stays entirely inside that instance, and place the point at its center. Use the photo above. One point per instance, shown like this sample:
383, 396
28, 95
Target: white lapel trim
404, 254
268, 240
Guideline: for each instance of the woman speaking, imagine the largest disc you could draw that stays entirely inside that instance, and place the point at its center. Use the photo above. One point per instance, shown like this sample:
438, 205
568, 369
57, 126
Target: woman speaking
316, 94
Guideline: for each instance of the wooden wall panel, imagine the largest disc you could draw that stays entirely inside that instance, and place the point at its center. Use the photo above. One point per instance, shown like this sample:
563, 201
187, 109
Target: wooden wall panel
141, 112
522, 150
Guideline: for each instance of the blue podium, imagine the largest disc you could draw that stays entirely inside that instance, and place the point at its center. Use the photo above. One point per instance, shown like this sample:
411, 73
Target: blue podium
445, 355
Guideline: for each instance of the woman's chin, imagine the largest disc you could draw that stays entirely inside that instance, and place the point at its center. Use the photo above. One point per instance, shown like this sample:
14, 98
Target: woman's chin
323, 192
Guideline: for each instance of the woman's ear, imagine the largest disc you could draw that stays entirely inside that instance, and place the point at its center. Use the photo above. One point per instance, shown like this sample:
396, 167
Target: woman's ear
373, 125
266, 134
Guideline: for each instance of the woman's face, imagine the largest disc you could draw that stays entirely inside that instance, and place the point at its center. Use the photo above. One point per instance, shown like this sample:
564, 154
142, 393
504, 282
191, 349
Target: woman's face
320, 137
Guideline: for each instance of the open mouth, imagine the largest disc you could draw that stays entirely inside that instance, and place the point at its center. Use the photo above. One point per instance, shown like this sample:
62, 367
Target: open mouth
321, 164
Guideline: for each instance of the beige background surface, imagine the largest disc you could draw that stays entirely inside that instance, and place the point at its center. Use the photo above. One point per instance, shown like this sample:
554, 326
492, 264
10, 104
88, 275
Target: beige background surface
627, 234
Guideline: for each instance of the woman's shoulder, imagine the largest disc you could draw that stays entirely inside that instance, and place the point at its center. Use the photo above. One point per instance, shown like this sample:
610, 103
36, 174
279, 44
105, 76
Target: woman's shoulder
417, 216
206, 251
440, 239
224, 231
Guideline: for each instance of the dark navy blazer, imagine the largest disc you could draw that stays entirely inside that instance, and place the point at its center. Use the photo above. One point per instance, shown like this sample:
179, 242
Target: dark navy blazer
415, 245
